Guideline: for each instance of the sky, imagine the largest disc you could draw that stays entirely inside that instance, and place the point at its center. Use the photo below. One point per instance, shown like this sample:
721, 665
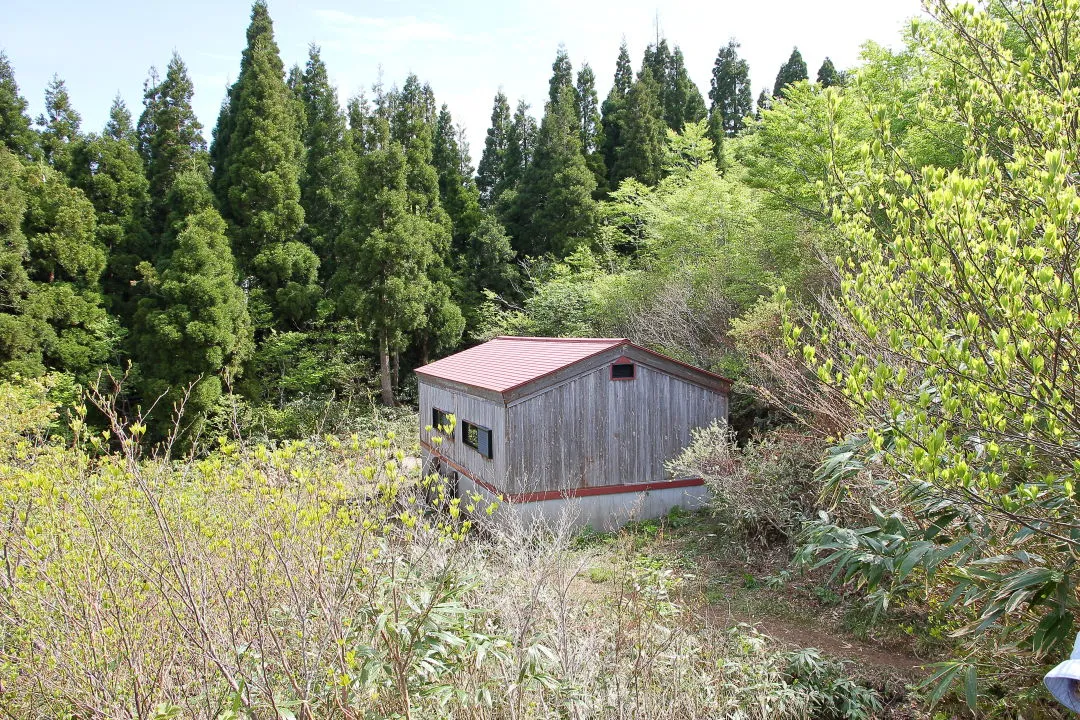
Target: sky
466, 50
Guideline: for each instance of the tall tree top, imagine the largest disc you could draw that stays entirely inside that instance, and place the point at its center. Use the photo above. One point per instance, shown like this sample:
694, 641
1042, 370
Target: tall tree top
792, 71
260, 29
624, 72
588, 107
119, 125
562, 74
729, 92
492, 162
827, 75
60, 123
170, 136
15, 131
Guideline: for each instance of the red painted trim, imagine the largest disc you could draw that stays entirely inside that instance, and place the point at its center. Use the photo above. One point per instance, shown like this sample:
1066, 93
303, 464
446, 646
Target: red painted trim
570, 492
688, 366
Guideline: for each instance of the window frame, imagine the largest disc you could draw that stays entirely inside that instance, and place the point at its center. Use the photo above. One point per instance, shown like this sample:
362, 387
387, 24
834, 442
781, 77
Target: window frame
436, 426
465, 426
624, 363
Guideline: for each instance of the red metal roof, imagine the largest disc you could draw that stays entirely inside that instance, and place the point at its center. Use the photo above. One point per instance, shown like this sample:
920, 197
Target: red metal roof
506, 363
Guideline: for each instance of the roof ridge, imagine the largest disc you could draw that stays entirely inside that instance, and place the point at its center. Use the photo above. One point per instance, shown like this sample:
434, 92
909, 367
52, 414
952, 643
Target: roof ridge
559, 339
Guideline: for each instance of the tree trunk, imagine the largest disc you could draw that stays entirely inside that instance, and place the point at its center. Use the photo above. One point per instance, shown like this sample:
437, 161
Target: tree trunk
384, 371
397, 370
425, 356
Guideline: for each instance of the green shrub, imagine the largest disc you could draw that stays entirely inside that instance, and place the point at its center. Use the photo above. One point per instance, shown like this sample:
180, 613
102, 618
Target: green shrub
762, 491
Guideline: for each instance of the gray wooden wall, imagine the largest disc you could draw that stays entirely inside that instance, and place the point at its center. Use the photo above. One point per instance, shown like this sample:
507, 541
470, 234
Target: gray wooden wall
470, 408
592, 431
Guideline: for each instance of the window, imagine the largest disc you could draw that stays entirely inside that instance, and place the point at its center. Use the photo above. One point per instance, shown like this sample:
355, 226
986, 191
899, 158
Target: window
622, 371
440, 421
478, 438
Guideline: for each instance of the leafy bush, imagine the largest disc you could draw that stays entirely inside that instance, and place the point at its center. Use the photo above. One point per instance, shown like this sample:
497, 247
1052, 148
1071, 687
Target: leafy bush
319, 578
833, 694
762, 491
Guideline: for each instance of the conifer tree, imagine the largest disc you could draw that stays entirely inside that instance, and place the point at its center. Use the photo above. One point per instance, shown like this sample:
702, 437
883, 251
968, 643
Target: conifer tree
641, 152
15, 130
381, 279
486, 264
792, 71
59, 125
20, 350
192, 327
109, 170
613, 110
53, 316
587, 108
412, 125
257, 155
553, 211
490, 171
520, 146
680, 99
588, 113
827, 75
683, 101
730, 94
764, 102
457, 189
358, 113
170, 142
328, 177
562, 74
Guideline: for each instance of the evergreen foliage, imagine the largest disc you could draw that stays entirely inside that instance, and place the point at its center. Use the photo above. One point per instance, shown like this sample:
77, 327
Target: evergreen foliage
643, 133
52, 317
679, 96
613, 110
170, 138
192, 331
764, 102
413, 125
791, 71
358, 113
827, 76
492, 168
109, 170
59, 125
328, 177
729, 94
381, 280
520, 147
553, 211
257, 157
16, 132
588, 112
562, 74
457, 188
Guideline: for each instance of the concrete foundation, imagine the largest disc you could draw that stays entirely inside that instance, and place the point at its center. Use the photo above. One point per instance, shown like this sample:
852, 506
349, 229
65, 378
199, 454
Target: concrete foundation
600, 512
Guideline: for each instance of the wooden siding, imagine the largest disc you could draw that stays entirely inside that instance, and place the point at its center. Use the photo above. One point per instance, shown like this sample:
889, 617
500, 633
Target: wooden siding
591, 431
470, 408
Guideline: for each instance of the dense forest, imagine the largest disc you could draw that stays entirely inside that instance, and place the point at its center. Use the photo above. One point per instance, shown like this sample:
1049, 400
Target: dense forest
315, 246
206, 512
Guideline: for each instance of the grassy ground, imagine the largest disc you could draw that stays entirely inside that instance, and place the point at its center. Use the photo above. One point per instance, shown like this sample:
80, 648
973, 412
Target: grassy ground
731, 585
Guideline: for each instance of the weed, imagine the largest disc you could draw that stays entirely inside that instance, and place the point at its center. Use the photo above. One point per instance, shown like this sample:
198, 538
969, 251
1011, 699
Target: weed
600, 574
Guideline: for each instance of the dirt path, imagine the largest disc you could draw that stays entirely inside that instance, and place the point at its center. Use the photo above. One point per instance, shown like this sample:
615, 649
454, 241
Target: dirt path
798, 635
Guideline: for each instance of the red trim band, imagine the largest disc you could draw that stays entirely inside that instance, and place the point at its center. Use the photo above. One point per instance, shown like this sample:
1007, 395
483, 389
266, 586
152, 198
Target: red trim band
529, 497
